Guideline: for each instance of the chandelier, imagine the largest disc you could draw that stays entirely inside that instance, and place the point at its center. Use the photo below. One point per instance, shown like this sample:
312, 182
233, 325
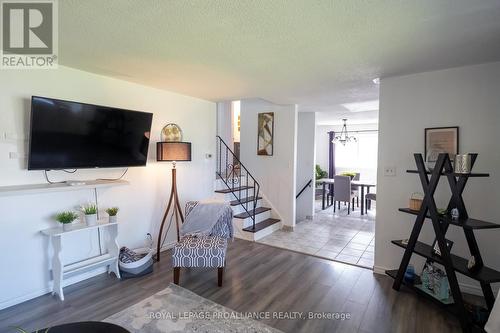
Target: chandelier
344, 137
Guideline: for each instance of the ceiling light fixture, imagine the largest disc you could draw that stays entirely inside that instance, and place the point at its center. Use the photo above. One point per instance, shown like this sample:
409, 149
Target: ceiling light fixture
344, 137
362, 106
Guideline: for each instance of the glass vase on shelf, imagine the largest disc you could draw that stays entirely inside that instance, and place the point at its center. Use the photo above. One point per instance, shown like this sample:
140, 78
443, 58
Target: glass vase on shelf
431, 158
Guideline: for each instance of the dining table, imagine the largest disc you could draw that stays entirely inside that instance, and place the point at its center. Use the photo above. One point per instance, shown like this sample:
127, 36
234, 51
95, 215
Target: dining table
354, 184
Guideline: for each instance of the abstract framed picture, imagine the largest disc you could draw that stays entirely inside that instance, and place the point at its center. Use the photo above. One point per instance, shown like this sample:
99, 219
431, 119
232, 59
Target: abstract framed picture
441, 140
265, 134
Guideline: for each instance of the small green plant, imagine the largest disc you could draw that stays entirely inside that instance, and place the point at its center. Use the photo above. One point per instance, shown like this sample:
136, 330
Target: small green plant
112, 211
320, 173
66, 217
89, 209
349, 174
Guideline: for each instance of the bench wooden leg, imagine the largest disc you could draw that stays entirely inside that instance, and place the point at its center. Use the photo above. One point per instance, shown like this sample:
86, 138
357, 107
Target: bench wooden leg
220, 273
177, 273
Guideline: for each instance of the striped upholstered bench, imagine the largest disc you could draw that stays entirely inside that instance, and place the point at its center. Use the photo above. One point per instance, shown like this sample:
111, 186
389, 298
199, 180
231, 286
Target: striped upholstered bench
203, 251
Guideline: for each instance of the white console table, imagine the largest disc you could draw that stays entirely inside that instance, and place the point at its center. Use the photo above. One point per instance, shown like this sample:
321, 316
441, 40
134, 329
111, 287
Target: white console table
60, 270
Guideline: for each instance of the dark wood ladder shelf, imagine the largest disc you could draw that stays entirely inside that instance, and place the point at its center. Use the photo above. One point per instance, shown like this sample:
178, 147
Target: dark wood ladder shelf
440, 223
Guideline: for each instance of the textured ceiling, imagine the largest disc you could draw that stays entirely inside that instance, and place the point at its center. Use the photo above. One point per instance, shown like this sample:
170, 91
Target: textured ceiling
315, 53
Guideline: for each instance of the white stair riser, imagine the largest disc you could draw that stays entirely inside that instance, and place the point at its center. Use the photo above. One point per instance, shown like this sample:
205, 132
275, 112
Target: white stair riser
230, 197
251, 236
220, 184
240, 224
238, 209
267, 231
258, 218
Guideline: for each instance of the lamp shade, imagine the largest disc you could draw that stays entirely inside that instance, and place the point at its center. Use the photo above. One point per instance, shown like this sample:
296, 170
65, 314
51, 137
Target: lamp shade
173, 151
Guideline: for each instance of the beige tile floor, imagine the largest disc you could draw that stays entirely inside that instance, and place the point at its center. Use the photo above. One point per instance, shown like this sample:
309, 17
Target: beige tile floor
335, 236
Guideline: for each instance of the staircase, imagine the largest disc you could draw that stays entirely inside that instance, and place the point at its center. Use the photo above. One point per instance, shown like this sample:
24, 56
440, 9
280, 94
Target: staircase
252, 220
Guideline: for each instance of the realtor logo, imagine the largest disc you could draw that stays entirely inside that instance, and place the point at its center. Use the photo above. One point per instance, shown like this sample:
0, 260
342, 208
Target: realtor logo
29, 34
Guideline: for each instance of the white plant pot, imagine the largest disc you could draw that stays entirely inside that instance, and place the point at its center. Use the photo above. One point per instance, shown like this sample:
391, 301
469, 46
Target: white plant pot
113, 219
91, 219
66, 226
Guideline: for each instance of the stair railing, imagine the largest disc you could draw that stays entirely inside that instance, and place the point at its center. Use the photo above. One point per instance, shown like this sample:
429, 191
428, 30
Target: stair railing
234, 174
304, 188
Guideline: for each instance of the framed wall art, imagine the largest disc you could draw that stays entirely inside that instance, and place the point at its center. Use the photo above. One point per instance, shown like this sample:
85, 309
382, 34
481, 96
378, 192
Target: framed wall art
265, 134
441, 140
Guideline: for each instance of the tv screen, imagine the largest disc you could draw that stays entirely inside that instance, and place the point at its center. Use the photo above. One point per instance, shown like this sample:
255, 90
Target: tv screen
70, 135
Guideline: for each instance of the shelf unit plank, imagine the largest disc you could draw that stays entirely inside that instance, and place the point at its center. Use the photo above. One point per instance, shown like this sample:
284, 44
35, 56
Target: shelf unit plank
484, 274
472, 174
58, 187
88, 264
75, 227
393, 273
465, 223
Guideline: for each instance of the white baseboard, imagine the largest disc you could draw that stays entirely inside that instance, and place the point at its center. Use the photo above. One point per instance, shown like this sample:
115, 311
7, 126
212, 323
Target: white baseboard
379, 270
464, 287
68, 282
48, 289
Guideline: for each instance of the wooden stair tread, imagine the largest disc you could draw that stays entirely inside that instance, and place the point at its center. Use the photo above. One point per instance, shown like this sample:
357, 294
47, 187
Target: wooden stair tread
245, 215
236, 189
243, 200
262, 225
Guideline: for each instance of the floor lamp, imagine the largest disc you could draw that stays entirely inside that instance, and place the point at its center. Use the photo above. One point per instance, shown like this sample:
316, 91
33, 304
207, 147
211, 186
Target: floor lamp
172, 152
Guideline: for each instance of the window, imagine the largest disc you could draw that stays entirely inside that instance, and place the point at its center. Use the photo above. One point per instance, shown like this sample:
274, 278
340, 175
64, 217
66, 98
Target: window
360, 156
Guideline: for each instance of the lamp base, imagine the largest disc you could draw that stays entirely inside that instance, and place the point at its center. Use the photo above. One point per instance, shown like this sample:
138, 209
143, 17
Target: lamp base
173, 203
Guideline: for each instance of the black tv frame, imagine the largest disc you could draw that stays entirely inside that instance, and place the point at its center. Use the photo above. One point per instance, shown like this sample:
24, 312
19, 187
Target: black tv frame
96, 105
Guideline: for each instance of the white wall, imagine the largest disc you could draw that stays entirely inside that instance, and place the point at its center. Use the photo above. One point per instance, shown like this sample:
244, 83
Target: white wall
224, 122
467, 97
305, 164
368, 173
275, 174
24, 261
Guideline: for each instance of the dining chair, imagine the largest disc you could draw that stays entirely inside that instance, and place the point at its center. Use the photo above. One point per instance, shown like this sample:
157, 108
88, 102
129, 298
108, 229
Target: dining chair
369, 197
343, 192
355, 188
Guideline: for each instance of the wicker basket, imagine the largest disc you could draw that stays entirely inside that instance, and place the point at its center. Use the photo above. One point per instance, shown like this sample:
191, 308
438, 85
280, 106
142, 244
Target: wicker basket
416, 200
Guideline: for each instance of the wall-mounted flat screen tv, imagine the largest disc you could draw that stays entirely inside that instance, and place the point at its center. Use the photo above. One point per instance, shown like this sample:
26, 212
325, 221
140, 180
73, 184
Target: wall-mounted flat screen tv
70, 135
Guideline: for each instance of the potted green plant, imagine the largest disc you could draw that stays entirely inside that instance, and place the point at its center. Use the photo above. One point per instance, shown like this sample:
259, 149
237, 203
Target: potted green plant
90, 211
112, 212
320, 174
66, 218
349, 174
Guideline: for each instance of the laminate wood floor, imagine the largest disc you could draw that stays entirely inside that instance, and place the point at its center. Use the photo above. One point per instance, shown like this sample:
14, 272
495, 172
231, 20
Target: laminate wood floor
258, 278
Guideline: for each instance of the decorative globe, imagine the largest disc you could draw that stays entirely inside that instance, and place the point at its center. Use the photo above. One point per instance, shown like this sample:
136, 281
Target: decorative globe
172, 132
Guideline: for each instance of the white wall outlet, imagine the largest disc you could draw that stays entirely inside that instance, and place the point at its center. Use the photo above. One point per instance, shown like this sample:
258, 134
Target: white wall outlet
389, 171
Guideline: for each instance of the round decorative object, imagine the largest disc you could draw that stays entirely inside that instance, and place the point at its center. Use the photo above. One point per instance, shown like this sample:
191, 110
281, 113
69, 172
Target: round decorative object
171, 133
